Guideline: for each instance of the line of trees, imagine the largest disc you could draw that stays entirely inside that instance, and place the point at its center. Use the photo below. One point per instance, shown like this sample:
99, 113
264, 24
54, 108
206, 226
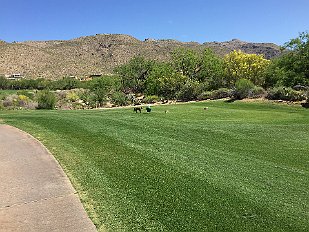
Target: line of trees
41, 84
190, 73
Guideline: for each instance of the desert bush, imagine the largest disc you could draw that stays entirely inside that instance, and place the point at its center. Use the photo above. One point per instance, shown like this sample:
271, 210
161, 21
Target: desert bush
22, 100
88, 98
151, 99
243, 88
61, 94
46, 100
119, 99
10, 101
257, 92
215, 94
221, 93
204, 95
189, 91
72, 96
32, 105
15, 101
285, 93
73, 99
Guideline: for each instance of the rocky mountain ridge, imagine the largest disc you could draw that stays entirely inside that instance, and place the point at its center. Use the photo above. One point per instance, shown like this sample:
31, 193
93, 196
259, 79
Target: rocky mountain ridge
101, 53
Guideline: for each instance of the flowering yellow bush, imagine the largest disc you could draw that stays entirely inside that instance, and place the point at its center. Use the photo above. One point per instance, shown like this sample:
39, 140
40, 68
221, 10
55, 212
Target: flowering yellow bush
23, 98
239, 65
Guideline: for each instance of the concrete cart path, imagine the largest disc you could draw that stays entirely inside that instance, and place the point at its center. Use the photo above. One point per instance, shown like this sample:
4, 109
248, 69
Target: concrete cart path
35, 194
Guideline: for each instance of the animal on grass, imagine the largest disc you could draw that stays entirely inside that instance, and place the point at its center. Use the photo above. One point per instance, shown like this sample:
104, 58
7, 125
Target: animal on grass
139, 108
206, 108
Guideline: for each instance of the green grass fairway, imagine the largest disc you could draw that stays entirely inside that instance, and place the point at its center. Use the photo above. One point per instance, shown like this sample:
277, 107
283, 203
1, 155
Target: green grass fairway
234, 167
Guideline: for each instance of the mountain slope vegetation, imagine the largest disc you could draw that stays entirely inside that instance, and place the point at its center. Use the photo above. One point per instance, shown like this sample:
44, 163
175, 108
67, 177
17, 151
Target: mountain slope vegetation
101, 53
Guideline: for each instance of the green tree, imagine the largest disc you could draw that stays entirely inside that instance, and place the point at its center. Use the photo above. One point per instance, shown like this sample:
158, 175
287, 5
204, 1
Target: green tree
292, 67
134, 74
103, 87
204, 67
164, 80
211, 70
187, 62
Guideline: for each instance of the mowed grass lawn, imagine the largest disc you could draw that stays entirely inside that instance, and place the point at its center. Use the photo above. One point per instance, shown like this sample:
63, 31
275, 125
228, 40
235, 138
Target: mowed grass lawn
4, 93
234, 167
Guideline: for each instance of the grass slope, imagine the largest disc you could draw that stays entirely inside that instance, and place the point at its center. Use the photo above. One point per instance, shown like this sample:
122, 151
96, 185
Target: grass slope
4, 93
234, 167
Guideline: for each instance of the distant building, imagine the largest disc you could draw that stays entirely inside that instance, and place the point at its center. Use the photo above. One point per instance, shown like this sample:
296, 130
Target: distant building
15, 76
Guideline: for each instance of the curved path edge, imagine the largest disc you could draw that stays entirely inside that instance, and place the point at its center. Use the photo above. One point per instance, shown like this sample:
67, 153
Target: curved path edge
35, 193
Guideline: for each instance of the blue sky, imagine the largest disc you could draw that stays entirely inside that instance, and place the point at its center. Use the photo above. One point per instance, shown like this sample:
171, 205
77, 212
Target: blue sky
258, 21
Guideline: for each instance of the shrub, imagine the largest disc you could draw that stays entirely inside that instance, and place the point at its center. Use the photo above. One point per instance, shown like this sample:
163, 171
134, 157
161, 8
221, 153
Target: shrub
243, 88
205, 95
22, 100
189, 91
151, 99
119, 99
257, 92
215, 94
14, 101
285, 93
221, 93
46, 100
10, 101
72, 96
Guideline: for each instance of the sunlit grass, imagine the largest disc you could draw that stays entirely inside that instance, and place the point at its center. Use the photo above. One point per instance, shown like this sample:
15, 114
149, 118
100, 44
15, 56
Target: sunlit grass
234, 167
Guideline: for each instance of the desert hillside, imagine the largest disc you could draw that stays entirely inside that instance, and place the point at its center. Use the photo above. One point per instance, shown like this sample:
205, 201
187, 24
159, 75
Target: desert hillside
99, 54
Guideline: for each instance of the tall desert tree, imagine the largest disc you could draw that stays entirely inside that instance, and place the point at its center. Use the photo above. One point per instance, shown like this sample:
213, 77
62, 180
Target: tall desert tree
187, 62
211, 70
203, 67
164, 80
134, 74
295, 62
